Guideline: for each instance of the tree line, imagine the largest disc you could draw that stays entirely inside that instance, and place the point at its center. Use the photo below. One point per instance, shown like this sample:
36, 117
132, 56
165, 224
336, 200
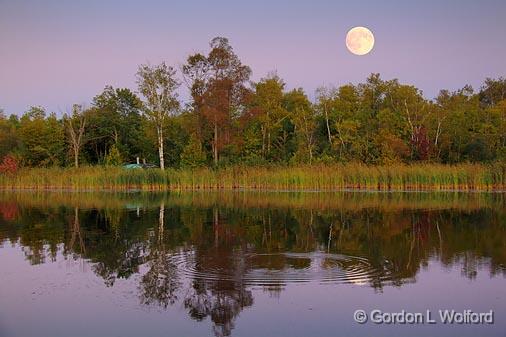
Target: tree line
230, 119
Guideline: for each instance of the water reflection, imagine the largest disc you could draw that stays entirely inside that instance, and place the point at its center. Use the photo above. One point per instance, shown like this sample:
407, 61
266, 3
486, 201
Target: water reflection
208, 251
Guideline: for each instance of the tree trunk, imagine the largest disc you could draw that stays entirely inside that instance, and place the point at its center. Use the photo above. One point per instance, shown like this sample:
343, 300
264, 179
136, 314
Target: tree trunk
328, 126
310, 148
76, 156
76, 232
76, 136
215, 152
268, 129
160, 147
161, 222
268, 142
263, 141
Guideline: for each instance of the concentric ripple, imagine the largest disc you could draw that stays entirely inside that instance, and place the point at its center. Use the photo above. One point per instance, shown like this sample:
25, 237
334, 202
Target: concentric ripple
283, 268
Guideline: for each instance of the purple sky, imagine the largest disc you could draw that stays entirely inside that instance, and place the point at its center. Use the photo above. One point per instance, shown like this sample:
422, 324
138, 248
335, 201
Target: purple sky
56, 53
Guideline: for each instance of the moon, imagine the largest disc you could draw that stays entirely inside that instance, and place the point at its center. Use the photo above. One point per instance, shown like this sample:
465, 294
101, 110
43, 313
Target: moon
359, 40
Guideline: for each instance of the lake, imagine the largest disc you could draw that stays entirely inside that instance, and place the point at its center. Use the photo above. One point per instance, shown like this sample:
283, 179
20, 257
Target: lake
251, 263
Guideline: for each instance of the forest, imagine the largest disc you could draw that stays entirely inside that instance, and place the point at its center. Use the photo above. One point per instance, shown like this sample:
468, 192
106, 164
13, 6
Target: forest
230, 120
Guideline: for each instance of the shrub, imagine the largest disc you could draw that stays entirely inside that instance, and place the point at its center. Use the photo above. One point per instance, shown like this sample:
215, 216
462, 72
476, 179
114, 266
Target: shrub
9, 165
113, 158
193, 156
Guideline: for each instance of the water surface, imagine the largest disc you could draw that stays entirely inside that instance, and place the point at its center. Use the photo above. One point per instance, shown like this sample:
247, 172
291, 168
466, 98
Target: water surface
248, 263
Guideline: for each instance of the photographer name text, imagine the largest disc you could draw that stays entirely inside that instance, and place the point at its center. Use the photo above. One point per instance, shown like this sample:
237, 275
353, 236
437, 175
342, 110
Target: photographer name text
446, 316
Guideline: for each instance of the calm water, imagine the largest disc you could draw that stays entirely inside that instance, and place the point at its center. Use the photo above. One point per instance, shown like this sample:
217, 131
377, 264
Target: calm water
248, 264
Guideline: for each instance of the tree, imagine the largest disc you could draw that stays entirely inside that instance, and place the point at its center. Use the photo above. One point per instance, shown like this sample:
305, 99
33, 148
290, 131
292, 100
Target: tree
304, 119
457, 117
113, 157
493, 91
114, 120
344, 108
217, 84
158, 85
75, 125
42, 138
268, 110
9, 138
407, 102
496, 128
325, 99
372, 97
192, 155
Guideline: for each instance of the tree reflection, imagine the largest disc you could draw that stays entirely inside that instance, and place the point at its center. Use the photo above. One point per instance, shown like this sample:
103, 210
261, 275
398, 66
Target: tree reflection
206, 257
160, 284
76, 234
221, 299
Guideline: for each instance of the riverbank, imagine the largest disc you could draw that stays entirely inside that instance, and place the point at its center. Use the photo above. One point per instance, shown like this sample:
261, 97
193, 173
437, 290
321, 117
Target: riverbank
420, 177
343, 201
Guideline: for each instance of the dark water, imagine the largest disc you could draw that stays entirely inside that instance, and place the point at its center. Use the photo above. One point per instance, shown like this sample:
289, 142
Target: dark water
249, 264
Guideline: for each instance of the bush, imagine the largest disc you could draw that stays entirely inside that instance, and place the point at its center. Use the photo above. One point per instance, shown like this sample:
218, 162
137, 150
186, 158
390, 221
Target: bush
9, 165
193, 156
113, 158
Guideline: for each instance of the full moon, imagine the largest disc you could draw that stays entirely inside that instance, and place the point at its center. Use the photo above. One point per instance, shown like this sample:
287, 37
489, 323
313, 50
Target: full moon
359, 40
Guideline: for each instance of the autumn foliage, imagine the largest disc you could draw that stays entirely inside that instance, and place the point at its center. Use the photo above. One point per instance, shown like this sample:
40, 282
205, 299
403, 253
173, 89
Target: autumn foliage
9, 165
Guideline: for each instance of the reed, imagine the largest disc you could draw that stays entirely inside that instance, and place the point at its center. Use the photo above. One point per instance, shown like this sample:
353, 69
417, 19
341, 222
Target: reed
399, 177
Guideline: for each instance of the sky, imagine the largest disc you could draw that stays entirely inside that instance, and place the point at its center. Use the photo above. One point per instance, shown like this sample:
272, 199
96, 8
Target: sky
57, 53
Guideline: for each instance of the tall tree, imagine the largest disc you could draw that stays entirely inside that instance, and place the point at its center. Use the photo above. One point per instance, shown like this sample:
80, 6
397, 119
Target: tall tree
304, 119
345, 113
114, 121
325, 97
218, 88
158, 85
268, 102
407, 102
75, 125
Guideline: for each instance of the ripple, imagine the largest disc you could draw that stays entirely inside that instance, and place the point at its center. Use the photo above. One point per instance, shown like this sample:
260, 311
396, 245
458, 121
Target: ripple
283, 268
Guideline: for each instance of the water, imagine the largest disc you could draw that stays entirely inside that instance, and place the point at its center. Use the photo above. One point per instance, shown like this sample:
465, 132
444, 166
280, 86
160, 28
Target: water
248, 263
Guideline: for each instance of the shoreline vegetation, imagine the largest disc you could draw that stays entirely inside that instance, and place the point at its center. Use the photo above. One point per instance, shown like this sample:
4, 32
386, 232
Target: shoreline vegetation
331, 177
234, 133
237, 199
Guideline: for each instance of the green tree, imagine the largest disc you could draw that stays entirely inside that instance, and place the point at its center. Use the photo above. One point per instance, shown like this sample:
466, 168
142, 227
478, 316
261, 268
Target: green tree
193, 155
493, 91
42, 138
269, 111
158, 85
113, 157
304, 119
345, 125
9, 139
115, 119
458, 119
411, 109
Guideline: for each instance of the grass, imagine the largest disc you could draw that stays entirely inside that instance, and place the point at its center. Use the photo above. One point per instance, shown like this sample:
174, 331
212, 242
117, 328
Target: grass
399, 177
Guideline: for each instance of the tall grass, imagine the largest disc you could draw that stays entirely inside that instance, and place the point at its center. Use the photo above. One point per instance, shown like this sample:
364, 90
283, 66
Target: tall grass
466, 177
